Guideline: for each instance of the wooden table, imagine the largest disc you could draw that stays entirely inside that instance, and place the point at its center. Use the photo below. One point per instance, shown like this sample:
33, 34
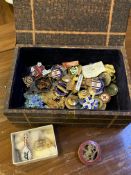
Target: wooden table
115, 146
115, 143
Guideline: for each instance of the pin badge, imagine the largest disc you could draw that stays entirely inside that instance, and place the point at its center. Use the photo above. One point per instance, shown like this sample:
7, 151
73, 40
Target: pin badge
43, 84
72, 102
33, 101
61, 89
106, 78
56, 72
105, 97
37, 70
28, 80
90, 103
74, 70
89, 152
79, 82
83, 94
112, 89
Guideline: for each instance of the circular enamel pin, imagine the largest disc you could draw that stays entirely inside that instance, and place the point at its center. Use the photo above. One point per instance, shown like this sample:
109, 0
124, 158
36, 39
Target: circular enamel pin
56, 72
112, 90
74, 70
72, 102
83, 94
105, 97
94, 91
89, 152
66, 78
60, 89
106, 78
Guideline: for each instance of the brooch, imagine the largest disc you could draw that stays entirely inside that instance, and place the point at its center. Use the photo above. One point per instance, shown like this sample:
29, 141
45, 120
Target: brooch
43, 84
105, 97
89, 152
33, 101
28, 80
56, 72
83, 94
90, 103
36, 71
72, 102
110, 69
112, 89
61, 89
74, 70
106, 78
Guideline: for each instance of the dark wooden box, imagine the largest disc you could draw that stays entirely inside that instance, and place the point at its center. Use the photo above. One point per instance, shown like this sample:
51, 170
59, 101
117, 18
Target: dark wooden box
54, 31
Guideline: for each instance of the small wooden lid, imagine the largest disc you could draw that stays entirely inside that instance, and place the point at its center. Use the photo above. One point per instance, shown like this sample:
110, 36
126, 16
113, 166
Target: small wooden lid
71, 22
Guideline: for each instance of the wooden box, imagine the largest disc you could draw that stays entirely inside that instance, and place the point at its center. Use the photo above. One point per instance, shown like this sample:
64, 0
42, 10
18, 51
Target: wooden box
54, 31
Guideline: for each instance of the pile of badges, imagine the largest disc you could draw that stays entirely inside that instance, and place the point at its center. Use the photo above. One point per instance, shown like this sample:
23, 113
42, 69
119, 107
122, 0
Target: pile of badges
70, 86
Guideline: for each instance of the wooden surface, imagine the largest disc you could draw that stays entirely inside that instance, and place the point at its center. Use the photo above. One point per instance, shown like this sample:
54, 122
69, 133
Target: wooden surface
115, 143
7, 27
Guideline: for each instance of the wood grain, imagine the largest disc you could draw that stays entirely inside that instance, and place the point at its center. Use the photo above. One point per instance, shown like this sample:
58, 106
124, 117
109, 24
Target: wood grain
7, 27
115, 143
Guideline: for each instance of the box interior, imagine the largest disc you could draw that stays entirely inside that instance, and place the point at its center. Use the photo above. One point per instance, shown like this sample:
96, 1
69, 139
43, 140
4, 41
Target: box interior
29, 56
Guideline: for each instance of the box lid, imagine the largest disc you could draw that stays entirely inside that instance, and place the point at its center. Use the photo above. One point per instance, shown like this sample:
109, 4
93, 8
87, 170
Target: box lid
71, 22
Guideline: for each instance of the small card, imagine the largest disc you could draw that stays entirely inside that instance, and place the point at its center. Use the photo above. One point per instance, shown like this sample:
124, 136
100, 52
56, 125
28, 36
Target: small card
93, 70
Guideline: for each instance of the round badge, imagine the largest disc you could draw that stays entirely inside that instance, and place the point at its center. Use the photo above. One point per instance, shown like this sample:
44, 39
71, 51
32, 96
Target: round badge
43, 84
74, 70
105, 97
61, 89
106, 78
112, 89
83, 94
66, 78
97, 84
89, 152
94, 91
56, 72
72, 102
